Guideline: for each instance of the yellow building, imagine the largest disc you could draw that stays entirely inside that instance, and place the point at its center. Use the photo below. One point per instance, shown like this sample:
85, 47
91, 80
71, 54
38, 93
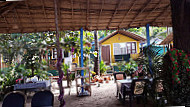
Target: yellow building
120, 44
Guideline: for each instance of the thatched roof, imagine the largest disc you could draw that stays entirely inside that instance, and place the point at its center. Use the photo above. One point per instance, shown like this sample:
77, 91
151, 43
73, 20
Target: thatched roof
167, 40
38, 15
125, 33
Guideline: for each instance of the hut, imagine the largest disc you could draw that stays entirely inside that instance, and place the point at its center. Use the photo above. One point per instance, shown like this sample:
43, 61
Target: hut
120, 45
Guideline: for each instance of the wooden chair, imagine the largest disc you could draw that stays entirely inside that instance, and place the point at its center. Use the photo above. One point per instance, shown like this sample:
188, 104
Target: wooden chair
14, 99
42, 99
137, 89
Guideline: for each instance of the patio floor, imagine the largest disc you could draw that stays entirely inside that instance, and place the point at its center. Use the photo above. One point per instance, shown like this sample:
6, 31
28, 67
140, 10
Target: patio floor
103, 96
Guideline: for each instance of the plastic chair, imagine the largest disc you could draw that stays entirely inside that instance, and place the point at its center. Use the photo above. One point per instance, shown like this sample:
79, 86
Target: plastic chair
119, 75
137, 89
42, 98
14, 99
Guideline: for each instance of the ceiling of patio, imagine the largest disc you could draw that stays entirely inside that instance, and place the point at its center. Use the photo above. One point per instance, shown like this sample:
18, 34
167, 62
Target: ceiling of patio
38, 15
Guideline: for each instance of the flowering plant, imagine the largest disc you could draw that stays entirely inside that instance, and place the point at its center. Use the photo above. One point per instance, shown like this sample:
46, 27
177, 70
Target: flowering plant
179, 58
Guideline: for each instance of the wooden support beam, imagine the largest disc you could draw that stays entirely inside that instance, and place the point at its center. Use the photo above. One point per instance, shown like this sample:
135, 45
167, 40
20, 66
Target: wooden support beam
166, 9
147, 3
59, 58
8, 8
116, 9
127, 12
87, 13
31, 18
103, 1
153, 10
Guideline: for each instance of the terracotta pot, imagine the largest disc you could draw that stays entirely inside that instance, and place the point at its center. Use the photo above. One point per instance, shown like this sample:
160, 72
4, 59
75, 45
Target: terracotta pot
100, 80
109, 78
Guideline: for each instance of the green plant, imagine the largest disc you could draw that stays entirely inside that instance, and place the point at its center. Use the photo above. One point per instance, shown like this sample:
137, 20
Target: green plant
151, 60
130, 67
103, 67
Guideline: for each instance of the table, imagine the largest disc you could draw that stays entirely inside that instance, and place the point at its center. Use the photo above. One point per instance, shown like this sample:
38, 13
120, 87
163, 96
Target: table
29, 86
120, 86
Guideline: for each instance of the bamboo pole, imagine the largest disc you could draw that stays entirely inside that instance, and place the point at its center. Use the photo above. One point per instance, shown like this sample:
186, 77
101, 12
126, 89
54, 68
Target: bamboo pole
59, 59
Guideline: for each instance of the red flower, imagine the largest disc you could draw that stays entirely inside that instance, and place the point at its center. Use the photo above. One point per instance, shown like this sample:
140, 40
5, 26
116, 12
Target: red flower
171, 49
176, 63
170, 54
176, 79
188, 69
175, 54
172, 59
179, 82
180, 54
176, 73
176, 50
174, 68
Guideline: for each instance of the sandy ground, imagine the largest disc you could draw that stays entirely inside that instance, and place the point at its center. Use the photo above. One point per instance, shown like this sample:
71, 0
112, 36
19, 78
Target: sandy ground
103, 96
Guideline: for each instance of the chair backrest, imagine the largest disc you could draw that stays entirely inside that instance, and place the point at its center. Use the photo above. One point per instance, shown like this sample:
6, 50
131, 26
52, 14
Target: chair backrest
138, 86
14, 99
119, 75
158, 85
42, 98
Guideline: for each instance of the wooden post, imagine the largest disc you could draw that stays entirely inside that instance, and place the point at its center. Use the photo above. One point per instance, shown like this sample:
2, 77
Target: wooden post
96, 59
181, 24
59, 59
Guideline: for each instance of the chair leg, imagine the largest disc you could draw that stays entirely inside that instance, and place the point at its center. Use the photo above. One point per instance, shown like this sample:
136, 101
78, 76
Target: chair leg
130, 99
123, 100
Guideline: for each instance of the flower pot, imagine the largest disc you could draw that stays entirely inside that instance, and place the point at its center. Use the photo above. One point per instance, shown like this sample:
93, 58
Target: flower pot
100, 80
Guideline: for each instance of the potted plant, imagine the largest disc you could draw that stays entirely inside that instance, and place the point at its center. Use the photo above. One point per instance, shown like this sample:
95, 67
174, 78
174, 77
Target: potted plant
103, 68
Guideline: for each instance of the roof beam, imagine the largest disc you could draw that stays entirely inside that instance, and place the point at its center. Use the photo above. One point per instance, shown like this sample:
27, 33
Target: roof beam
18, 18
127, 12
133, 20
153, 10
87, 13
59, 14
116, 9
45, 15
166, 8
31, 18
8, 8
103, 1
7, 29
72, 13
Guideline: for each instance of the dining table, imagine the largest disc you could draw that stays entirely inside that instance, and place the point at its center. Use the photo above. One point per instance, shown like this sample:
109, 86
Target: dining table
39, 85
121, 84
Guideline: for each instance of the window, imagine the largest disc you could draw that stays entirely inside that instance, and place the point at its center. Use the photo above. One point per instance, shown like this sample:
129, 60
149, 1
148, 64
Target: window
124, 48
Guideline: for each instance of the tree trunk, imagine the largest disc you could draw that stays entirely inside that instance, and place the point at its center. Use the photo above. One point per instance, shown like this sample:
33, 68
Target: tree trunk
96, 59
59, 59
181, 24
